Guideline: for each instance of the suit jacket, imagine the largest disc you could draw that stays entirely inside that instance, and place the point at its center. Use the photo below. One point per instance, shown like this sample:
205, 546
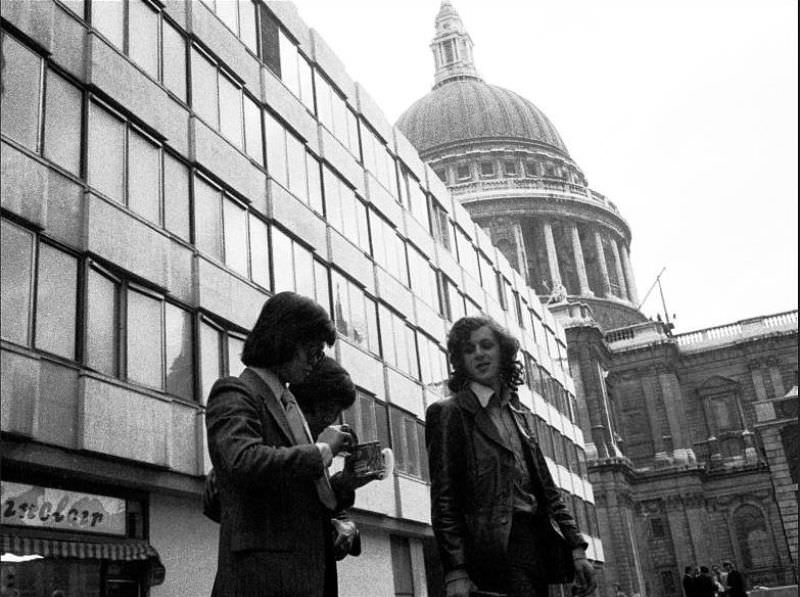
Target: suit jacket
273, 528
471, 469
735, 582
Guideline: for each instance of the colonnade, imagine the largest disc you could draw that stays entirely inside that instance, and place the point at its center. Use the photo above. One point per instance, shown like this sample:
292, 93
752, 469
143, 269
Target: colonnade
588, 260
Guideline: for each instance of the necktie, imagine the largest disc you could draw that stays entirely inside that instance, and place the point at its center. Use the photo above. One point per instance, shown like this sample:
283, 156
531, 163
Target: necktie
302, 435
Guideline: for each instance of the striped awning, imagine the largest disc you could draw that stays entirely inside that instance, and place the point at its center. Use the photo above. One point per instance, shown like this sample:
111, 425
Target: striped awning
127, 550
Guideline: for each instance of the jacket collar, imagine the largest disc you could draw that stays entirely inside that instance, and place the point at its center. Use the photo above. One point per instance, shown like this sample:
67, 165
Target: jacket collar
469, 401
269, 388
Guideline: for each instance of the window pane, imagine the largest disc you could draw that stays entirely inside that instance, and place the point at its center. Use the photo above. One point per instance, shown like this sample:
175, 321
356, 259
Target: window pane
109, 19
143, 40
235, 236
252, 131
296, 157
322, 288
323, 100
341, 302
306, 83
314, 183
259, 252
22, 77
247, 24
56, 302
101, 344
145, 357
230, 101
210, 352
179, 351
304, 271
289, 73
174, 66
276, 149
62, 136
106, 171
207, 219
176, 197
16, 278
226, 11
144, 177
235, 346
282, 261
204, 89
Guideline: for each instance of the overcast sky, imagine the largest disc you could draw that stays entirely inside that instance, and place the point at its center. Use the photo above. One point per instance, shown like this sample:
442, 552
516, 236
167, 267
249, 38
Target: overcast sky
683, 113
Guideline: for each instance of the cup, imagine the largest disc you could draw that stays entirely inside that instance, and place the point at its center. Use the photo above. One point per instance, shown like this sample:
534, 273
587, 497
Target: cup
370, 459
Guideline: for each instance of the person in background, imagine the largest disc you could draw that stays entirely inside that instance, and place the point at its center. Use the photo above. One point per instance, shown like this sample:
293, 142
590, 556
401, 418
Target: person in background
689, 581
496, 513
719, 580
618, 592
734, 582
276, 498
704, 583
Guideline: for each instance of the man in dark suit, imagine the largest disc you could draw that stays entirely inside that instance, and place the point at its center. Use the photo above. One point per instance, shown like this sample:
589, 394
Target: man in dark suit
276, 499
734, 581
690, 581
497, 515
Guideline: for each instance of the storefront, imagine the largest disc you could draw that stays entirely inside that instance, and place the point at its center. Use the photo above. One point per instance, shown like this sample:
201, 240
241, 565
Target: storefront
64, 543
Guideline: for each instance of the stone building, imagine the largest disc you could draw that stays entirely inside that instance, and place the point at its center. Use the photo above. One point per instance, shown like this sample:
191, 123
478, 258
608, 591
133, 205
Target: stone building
166, 167
691, 438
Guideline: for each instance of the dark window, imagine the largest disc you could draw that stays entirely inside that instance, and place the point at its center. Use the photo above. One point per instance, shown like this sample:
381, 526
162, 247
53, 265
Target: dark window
270, 40
408, 443
487, 169
463, 172
657, 527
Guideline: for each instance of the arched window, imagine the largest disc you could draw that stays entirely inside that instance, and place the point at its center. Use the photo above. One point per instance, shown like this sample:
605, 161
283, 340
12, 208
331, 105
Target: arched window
753, 537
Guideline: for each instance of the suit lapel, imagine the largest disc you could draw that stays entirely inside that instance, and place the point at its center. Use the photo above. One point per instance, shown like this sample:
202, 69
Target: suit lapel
270, 400
469, 402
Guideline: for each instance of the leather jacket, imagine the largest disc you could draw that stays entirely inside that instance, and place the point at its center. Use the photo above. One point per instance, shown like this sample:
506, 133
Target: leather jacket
471, 470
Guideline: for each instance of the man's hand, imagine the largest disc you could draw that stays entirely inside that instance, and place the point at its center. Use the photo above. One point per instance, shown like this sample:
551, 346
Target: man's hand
584, 582
346, 533
337, 438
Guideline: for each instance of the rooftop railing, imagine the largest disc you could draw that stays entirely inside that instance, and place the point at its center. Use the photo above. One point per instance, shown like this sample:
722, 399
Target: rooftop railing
745, 327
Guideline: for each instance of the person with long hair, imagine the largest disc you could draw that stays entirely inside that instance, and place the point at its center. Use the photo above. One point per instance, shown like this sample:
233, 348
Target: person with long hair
497, 515
276, 499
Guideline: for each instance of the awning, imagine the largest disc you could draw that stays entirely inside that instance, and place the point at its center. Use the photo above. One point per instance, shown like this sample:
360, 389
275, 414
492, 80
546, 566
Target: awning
127, 550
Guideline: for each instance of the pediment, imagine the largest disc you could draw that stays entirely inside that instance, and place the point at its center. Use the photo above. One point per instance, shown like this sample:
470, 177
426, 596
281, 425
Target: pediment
718, 383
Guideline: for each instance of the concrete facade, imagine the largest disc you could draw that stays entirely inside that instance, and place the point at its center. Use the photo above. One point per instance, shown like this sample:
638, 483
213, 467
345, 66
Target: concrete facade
165, 169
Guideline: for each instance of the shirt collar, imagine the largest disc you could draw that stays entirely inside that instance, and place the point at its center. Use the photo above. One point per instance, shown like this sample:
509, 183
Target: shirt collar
272, 381
485, 393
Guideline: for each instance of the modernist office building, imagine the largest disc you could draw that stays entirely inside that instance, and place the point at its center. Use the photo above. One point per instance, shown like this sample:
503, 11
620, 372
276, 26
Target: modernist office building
692, 439
166, 167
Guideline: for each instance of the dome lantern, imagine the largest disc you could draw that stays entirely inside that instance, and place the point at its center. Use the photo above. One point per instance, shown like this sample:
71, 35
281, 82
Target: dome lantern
452, 47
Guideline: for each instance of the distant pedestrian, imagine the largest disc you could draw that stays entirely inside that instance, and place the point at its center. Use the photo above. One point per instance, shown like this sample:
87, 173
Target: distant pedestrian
689, 581
719, 580
619, 592
734, 583
704, 583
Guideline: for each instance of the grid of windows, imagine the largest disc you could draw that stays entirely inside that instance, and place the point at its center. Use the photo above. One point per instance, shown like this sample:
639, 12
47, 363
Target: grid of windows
24, 110
143, 335
240, 18
388, 248
291, 165
223, 105
354, 312
139, 30
334, 113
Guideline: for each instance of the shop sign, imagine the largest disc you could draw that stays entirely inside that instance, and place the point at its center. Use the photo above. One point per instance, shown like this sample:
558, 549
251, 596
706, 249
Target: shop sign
45, 507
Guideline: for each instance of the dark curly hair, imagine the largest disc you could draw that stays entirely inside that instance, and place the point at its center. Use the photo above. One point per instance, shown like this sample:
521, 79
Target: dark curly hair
511, 372
329, 382
287, 321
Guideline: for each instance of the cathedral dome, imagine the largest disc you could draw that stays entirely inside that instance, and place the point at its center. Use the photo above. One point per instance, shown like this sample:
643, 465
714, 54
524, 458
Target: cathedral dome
469, 109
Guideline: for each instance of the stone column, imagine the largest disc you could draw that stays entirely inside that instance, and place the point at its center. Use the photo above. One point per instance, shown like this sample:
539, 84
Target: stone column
522, 254
605, 284
552, 256
626, 266
580, 263
623, 288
